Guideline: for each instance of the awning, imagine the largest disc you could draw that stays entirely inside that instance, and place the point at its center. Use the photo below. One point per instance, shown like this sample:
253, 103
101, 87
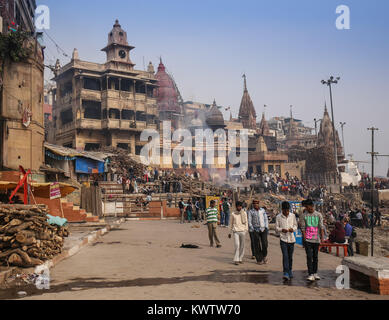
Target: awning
41, 190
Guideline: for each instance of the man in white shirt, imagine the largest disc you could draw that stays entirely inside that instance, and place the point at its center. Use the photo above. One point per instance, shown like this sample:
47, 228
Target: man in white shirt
239, 228
286, 226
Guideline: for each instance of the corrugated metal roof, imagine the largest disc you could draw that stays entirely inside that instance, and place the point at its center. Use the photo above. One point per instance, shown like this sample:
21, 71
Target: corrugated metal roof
68, 152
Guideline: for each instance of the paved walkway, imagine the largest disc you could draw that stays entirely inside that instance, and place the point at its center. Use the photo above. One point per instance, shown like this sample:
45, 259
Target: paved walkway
143, 260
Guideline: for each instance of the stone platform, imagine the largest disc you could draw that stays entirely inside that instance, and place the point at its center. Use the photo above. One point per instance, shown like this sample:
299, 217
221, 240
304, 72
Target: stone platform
375, 270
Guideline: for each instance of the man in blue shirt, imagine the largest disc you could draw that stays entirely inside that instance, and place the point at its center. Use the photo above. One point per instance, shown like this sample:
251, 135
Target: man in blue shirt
259, 226
349, 235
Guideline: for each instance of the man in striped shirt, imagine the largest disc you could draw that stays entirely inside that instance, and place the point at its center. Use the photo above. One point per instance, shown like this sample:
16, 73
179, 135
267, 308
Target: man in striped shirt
212, 219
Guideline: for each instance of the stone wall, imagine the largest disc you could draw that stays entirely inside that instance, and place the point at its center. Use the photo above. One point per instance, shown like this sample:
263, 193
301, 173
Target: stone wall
23, 93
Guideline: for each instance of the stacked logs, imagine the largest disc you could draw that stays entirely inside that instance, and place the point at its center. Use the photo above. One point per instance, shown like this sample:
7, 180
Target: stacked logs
122, 163
26, 238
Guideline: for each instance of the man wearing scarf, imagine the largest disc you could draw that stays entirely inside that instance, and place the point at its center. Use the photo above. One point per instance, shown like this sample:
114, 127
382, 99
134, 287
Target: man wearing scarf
259, 226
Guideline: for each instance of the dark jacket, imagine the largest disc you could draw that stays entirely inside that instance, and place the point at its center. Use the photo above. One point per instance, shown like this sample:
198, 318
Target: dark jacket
338, 235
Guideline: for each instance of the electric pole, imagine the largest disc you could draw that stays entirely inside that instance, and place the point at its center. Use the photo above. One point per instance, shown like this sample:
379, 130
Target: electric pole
372, 129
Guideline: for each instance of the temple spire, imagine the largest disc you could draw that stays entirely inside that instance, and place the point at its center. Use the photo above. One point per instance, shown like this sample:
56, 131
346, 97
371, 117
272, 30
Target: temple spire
247, 114
245, 82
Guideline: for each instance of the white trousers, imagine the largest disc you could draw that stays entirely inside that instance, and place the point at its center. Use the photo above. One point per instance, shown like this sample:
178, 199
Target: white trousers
239, 240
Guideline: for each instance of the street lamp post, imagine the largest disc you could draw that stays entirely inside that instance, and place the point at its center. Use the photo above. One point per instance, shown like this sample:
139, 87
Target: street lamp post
329, 83
342, 124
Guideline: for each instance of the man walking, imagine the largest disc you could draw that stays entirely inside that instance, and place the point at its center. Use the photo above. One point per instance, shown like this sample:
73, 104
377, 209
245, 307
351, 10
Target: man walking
259, 225
211, 214
226, 210
181, 205
313, 232
286, 226
189, 210
239, 227
198, 213
222, 216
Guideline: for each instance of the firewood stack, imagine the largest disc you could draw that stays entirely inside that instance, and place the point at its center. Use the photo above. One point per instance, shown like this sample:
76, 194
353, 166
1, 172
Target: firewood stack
26, 238
121, 163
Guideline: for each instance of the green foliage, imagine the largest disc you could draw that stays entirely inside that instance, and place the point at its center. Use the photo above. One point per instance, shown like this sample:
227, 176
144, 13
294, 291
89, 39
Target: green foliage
13, 46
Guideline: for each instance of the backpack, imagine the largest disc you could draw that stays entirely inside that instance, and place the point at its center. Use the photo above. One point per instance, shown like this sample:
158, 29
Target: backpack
181, 205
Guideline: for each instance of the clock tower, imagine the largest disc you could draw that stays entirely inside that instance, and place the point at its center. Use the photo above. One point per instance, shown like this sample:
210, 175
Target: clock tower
118, 49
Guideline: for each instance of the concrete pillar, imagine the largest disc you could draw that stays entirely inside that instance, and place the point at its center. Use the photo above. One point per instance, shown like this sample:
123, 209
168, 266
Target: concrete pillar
134, 99
132, 143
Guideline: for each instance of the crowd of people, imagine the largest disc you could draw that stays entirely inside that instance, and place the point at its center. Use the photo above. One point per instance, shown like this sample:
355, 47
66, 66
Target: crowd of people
254, 221
168, 181
379, 184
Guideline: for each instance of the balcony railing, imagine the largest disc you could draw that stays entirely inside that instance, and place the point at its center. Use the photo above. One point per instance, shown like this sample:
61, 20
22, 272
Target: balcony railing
88, 124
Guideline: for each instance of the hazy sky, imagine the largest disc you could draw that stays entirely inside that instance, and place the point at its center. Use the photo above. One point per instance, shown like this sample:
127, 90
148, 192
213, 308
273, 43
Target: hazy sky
285, 47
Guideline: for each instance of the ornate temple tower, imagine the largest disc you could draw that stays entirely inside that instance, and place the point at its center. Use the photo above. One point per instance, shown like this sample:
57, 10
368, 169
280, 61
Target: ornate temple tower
247, 114
264, 129
167, 97
325, 136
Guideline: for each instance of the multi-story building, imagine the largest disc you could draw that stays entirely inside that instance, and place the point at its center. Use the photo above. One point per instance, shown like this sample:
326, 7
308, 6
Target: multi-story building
17, 14
291, 132
21, 93
98, 105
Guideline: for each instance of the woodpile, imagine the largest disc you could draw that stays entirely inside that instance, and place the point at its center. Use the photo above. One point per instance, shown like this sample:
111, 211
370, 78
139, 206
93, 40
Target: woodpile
26, 238
123, 164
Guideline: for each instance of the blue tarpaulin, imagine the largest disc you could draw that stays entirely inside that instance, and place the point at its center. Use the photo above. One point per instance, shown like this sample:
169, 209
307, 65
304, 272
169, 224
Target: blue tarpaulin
84, 165
56, 220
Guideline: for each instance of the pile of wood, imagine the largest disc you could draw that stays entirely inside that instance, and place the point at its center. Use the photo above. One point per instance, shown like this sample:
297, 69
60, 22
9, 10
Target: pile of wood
26, 238
122, 163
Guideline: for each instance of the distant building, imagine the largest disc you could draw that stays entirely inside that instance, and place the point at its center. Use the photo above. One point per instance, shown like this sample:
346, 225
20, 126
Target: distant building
291, 132
99, 105
17, 14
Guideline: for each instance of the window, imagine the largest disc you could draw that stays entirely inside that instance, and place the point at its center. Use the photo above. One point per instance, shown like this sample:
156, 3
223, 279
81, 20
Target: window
92, 109
92, 146
138, 149
92, 84
66, 88
66, 116
123, 146
114, 113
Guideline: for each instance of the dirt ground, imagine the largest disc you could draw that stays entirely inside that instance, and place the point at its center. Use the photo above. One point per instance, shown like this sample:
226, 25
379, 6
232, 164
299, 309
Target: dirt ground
142, 260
